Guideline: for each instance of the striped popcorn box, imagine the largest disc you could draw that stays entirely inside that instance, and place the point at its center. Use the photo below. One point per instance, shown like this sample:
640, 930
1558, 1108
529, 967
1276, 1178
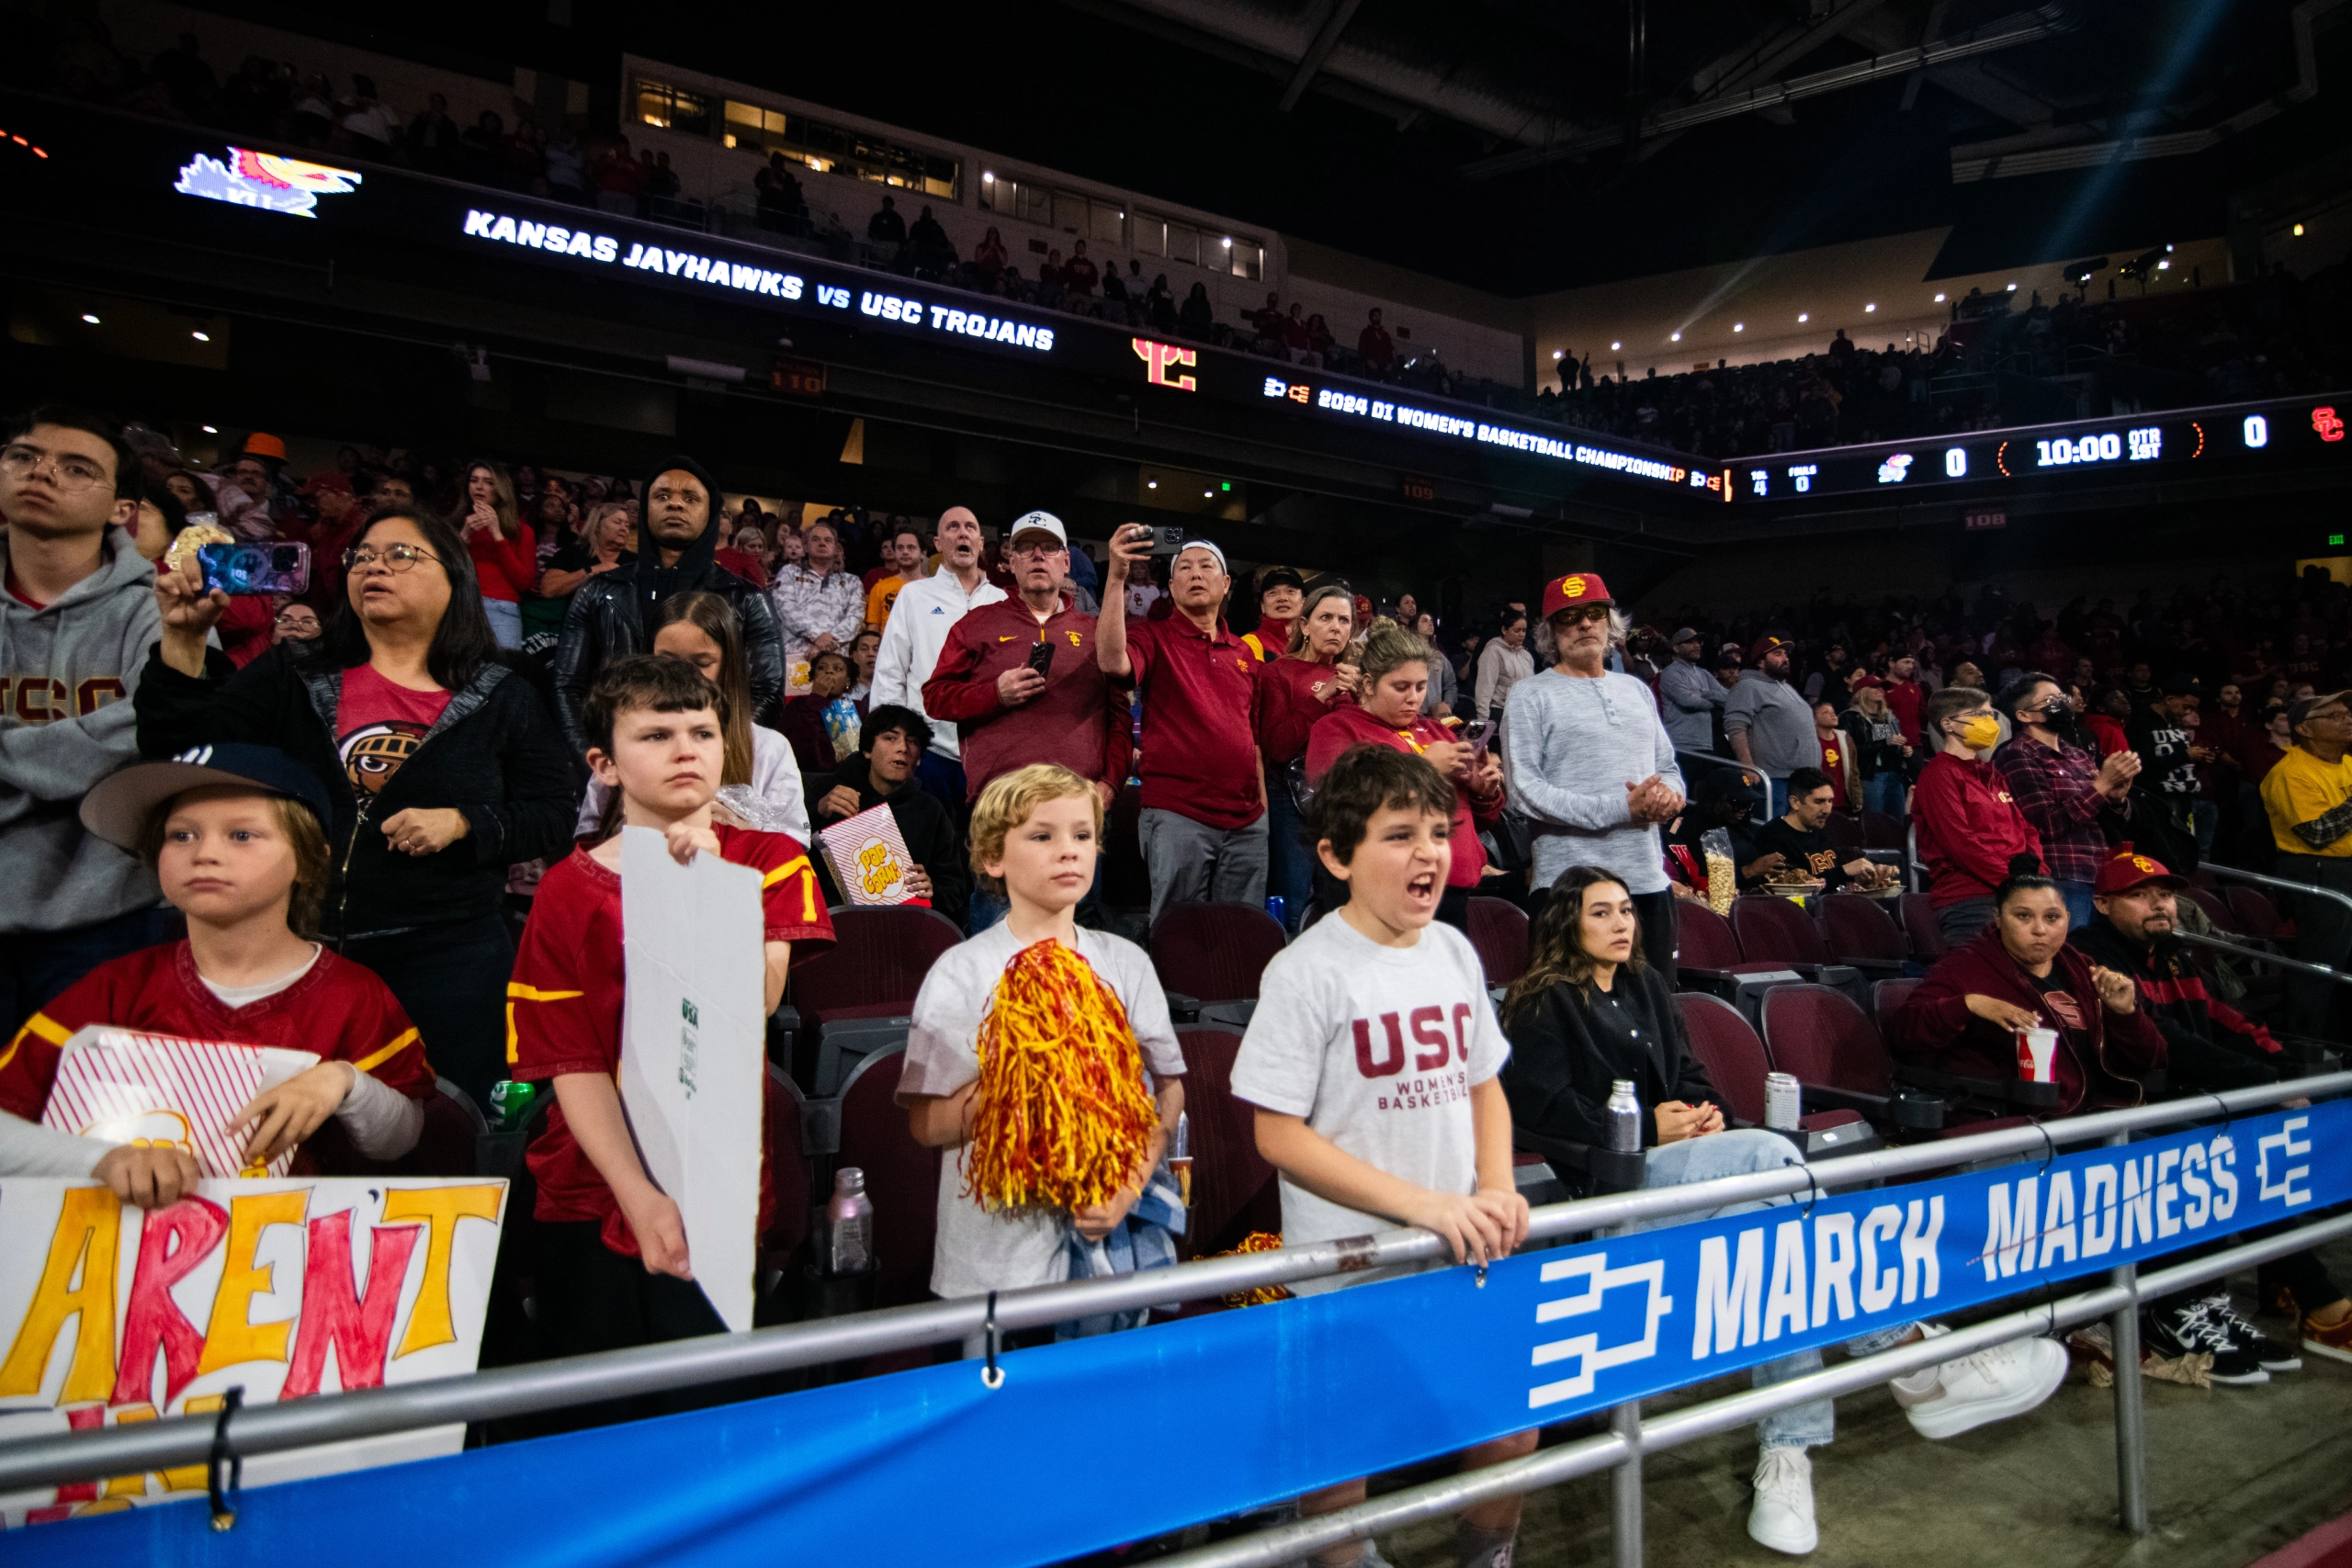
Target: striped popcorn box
126, 1086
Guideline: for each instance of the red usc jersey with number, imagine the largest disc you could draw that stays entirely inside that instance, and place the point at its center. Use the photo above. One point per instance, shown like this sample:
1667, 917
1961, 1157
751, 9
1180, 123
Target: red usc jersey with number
563, 1006
339, 1012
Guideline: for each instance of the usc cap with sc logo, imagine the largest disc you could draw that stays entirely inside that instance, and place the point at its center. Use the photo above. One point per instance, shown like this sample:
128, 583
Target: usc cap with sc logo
1574, 591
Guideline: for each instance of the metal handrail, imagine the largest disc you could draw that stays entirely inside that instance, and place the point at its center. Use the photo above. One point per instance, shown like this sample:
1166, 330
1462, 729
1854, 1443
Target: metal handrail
1549, 1467
2284, 884
2261, 956
721, 1358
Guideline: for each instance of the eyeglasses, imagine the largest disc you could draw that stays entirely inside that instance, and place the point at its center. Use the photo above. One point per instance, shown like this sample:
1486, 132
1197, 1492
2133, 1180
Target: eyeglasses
73, 474
396, 558
1045, 548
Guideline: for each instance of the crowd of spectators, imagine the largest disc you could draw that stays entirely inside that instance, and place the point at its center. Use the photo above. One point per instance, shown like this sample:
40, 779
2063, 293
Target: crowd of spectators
372, 781
1995, 365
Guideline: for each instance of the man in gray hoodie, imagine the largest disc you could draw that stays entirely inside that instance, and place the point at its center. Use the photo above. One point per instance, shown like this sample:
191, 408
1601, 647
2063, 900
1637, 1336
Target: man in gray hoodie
76, 619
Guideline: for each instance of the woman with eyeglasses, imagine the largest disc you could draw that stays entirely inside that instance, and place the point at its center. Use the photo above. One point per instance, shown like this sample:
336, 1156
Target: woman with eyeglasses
443, 766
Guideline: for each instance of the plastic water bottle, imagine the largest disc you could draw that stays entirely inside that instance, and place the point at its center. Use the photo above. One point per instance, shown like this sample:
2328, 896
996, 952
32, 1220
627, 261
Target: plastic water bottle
1179, 1156
1624, 1118
849, 1225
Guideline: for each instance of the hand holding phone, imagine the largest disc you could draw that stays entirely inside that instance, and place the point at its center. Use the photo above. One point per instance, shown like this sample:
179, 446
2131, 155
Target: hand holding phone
1041, 657
277, 567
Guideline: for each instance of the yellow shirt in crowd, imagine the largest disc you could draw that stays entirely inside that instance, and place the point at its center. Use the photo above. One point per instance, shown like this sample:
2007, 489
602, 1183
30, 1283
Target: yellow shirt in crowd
880, 597
2301, 788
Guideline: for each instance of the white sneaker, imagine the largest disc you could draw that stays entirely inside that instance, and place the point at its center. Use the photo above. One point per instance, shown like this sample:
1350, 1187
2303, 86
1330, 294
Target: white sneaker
1991, 1385
1783, 1516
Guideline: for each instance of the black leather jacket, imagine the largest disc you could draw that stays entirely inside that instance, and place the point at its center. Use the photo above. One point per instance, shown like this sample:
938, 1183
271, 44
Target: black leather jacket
608, 619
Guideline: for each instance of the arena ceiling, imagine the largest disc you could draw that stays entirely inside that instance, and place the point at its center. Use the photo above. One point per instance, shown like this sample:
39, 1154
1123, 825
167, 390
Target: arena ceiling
1526, 145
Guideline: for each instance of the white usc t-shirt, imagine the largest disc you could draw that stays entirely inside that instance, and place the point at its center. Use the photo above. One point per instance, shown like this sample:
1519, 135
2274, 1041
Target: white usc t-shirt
976, 1251
1378, 1048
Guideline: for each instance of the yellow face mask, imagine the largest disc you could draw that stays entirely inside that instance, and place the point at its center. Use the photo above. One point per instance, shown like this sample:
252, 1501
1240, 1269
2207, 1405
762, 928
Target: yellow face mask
1979, 732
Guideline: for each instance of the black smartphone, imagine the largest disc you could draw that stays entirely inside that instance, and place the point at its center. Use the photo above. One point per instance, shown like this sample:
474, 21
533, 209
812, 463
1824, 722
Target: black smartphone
257, 568
1041, 657
1167, 538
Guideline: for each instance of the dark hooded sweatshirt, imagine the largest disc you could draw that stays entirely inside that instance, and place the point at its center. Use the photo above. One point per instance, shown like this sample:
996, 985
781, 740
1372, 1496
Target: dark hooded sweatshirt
2210, 1044
613, 614
2101, 1055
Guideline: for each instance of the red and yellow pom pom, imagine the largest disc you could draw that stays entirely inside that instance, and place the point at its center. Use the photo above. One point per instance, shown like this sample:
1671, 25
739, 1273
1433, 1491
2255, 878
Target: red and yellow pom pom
1257, 1296
1063, 1118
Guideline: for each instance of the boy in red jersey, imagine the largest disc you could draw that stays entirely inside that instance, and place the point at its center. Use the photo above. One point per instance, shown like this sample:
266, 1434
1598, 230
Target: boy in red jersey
235, 834
612, 1265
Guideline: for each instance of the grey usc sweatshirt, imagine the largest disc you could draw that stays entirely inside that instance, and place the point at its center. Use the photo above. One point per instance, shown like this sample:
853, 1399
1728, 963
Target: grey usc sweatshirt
66, 673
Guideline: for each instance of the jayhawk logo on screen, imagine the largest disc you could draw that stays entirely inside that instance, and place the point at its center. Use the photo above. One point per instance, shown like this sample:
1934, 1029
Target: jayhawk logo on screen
1572, 587
264, 180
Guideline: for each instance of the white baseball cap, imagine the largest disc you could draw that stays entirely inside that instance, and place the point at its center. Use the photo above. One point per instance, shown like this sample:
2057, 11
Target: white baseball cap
1040, 522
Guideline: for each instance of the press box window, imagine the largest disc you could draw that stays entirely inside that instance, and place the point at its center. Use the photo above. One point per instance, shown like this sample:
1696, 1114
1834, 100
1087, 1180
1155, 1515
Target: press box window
832, 149
659, 104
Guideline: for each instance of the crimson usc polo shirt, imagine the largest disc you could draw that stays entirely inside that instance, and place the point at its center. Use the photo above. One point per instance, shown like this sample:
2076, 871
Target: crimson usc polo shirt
1200, 759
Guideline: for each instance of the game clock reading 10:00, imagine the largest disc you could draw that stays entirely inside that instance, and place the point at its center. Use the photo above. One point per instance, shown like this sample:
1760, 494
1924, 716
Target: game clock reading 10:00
2010, 459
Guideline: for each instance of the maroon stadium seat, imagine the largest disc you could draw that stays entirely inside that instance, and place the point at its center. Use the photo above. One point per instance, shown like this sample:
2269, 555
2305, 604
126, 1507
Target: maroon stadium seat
1887, 998
1498, 931
1730, 1052
2256, 914
1861, 928
1706, 942
1735, 1060
1214, 953
1775, 929
902, 1177
1234, 1189
877, 962
1880, 831
2216, 910
1919, 925
1816, 1034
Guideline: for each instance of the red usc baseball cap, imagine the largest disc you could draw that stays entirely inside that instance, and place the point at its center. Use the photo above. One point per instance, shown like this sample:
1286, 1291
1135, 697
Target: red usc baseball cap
2127, 869
1574, 591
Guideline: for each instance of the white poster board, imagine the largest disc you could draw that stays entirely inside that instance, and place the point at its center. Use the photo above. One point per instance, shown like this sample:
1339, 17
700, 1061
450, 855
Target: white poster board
694, 1053
280, 1288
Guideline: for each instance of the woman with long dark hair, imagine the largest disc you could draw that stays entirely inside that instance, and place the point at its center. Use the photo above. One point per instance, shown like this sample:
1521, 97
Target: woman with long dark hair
443, 764
1590, 1013
1294, 692
504, 550
759, 778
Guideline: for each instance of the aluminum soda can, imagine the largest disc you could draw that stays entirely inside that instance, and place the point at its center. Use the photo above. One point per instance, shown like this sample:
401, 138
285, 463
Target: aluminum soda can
1278, 907
1783, 1101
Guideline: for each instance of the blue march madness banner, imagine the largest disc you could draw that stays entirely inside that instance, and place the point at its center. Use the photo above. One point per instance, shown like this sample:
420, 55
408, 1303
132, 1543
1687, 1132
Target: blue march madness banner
1104, 1440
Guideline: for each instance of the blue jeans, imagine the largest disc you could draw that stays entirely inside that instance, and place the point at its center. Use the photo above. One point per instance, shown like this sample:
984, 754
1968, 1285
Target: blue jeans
1883, 792
505, 622
1740, 1153
2077, 895
1290, 866
943, 779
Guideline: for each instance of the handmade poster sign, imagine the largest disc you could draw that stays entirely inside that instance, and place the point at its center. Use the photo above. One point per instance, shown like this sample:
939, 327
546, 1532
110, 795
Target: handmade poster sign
280, 1288
694, 1053
127, 1086
869, 857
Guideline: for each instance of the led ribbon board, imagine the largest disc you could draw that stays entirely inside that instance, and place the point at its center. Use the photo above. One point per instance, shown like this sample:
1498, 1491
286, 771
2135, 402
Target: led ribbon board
2274, 434
1562, 447
893, 306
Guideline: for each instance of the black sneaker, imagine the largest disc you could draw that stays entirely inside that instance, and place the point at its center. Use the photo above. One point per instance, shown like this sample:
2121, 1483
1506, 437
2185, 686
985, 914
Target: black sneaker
2268, 1353
2190, 1330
